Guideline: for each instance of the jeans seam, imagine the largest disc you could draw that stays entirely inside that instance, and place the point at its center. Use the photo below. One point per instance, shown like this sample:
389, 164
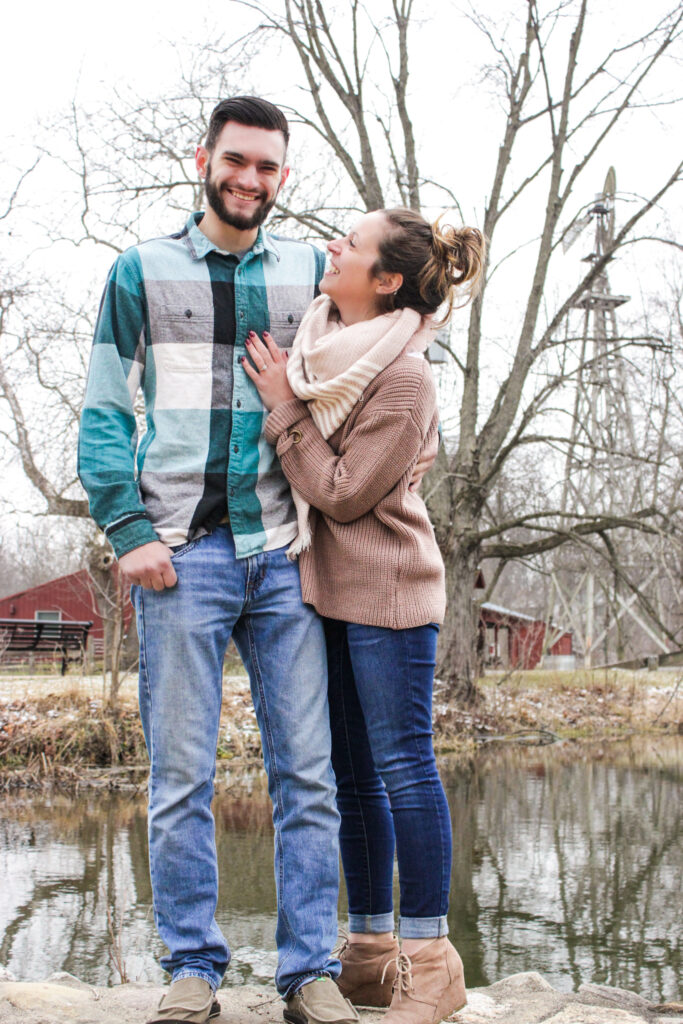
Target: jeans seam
430, 782
145, 675
366, 850
278, 790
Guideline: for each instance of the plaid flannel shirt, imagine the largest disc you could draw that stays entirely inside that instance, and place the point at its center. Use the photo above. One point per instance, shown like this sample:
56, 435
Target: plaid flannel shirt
173, 321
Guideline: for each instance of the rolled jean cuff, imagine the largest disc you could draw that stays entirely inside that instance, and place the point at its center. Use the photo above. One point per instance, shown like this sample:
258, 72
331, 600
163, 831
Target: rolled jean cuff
373, 924
333, 970
191, 972
422, 927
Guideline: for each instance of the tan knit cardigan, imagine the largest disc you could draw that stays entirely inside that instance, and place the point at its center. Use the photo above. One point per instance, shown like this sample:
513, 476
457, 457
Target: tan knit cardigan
374, 557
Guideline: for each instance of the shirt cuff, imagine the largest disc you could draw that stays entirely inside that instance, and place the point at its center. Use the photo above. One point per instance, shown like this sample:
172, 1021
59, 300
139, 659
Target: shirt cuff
283, 417
132, 535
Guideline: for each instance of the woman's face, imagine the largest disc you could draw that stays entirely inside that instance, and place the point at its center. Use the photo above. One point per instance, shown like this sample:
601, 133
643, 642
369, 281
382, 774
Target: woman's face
349, 280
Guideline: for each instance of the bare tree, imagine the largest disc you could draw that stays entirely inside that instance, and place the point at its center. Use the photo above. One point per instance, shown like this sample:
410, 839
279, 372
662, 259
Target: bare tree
348, 56
355, 78
44, 350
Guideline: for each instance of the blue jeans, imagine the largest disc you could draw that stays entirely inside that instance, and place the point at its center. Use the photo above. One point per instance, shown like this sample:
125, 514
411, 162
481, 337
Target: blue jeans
388, 788
184, 632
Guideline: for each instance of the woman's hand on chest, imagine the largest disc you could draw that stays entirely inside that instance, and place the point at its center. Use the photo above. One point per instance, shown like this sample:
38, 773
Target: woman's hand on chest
268, 370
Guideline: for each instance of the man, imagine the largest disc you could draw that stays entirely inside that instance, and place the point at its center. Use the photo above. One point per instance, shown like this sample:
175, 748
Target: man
200, 515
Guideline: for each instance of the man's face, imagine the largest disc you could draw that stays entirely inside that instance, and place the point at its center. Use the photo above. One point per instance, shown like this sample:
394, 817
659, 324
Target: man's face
243, 174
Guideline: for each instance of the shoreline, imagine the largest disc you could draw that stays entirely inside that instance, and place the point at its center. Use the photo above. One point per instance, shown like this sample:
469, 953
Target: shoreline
518, 999
56, 732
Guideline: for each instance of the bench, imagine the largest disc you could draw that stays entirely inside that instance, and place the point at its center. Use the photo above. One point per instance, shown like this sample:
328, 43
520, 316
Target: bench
34, 635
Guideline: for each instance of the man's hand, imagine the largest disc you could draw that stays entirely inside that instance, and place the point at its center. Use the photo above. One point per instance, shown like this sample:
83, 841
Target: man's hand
425, 462
149, 565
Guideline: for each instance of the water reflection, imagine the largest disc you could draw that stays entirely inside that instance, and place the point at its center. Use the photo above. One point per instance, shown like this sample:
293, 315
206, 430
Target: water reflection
565, 866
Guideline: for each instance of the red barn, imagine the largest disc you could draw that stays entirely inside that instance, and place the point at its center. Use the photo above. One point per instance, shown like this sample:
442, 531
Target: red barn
509, 639
66, 598
515, 640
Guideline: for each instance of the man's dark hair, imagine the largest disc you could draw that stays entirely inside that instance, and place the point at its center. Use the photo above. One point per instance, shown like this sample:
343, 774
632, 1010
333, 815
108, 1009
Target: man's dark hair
249, 110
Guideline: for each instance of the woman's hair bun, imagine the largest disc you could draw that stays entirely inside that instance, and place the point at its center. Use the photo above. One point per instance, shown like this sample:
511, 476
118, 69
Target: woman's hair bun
459, 255
436, 262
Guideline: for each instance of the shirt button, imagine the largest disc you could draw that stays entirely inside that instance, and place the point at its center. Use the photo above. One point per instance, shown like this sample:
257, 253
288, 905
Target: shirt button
241, 314
238, 403
188, 313
235, 447
232, 492
290, 318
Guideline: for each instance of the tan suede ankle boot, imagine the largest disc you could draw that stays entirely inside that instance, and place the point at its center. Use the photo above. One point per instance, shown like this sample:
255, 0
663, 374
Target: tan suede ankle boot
429, 986
368, 971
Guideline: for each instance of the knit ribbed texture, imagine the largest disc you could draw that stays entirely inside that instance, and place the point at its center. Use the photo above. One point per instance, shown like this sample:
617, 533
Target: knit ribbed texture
374, 557
332, 363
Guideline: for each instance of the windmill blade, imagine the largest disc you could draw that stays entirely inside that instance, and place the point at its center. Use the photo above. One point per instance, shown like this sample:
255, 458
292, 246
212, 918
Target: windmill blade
574, 231
606, 226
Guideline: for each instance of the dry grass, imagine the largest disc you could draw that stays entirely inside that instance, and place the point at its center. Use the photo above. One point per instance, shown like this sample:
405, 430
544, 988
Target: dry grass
542, 705
55, 730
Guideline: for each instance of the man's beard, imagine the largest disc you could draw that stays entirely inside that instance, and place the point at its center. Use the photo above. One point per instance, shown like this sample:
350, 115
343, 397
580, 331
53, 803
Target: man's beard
243, 222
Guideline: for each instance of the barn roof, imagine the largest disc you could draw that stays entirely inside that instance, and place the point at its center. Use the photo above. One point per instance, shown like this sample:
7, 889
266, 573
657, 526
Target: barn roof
521, 616
80, 576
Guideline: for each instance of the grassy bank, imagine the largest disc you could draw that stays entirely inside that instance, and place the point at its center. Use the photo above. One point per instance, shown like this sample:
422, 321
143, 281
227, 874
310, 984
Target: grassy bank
59, 731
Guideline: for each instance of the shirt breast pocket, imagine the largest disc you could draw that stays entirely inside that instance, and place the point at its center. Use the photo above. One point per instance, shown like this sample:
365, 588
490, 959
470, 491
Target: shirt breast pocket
184, 323
284, 325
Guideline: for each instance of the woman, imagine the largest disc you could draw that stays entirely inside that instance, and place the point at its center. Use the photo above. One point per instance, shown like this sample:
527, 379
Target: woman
353, 415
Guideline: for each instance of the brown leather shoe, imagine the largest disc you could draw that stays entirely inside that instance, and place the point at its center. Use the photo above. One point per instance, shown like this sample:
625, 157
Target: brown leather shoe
188, 1001
319, 1002
429, 986
368, 971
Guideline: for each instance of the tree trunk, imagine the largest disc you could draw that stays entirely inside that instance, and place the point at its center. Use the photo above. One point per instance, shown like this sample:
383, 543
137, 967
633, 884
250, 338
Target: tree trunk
459, 656
107, 588
455, 513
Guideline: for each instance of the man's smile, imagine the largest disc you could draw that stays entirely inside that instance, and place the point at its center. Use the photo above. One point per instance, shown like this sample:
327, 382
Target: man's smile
247, 197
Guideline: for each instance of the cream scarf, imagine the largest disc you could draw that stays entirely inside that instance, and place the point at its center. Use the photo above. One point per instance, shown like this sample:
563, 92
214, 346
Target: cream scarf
330, 366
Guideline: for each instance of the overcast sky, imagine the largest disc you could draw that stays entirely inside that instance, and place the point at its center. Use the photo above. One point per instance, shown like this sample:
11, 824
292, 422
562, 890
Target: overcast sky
51, 52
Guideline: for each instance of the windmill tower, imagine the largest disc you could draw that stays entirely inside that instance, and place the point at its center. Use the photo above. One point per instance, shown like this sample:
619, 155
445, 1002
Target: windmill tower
602, 430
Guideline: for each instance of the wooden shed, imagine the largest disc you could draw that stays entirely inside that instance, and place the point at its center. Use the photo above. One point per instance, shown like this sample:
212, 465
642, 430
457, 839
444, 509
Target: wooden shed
64, 599
511, 639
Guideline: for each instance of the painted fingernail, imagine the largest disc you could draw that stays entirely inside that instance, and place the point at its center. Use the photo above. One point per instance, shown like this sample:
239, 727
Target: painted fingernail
252, 334
266, 334
248, 341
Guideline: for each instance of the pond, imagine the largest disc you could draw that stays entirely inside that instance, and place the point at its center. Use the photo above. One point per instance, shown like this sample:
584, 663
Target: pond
565, 863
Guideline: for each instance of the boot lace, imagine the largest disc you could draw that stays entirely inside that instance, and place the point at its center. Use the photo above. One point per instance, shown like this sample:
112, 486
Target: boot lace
342, 944
404, 974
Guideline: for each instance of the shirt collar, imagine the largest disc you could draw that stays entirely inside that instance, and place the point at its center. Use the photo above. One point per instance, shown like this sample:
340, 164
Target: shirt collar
200, 246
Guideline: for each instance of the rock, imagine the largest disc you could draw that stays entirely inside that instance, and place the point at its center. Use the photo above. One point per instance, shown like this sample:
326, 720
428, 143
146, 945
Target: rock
42, 1001
60, 1003
516, 984
520, 999
619, 997
480, 1009
579, 1013
64, 978
525, 998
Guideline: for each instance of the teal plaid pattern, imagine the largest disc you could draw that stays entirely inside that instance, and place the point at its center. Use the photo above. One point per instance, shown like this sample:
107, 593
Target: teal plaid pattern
173, 322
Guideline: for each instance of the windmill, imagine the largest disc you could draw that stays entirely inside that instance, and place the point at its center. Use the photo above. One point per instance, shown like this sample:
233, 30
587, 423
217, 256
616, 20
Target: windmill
602, 426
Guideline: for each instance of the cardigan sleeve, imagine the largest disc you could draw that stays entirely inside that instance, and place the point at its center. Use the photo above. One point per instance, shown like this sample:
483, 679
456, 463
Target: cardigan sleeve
383, 444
